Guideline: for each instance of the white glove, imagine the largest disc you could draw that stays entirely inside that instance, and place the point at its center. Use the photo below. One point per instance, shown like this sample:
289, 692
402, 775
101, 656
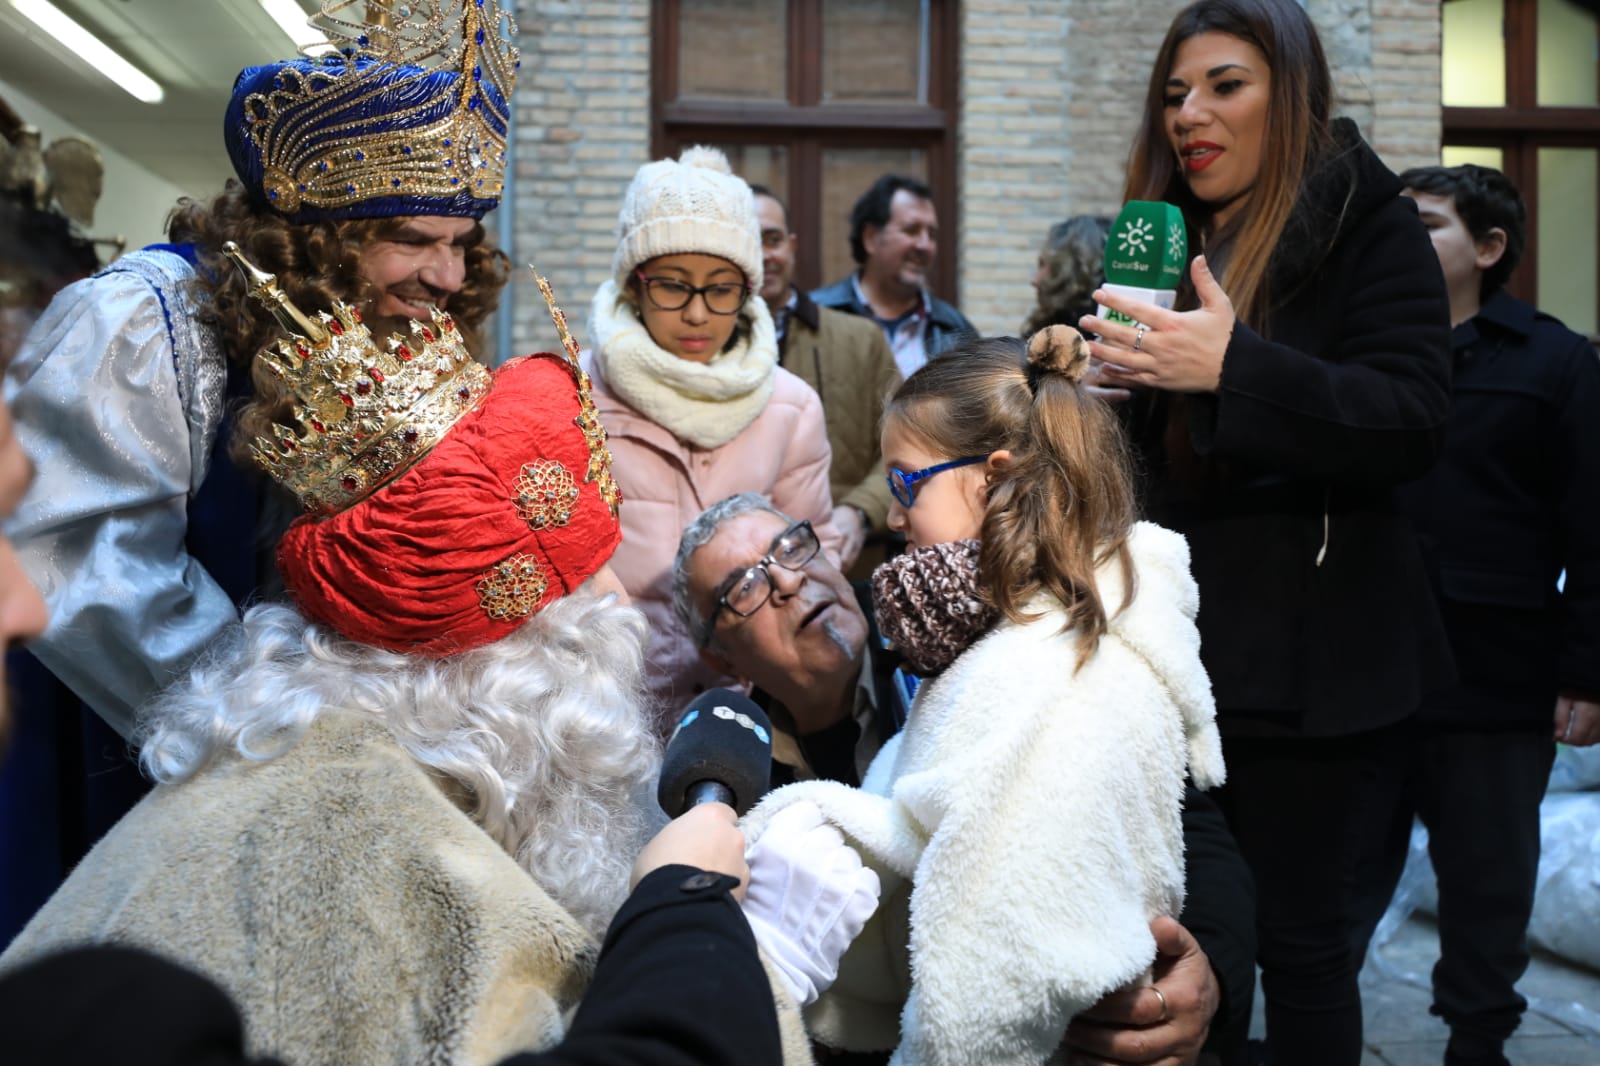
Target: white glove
808, 898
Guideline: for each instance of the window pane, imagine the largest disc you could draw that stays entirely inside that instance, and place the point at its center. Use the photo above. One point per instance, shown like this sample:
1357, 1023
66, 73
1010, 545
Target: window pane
1457, 155
1569, 55
846, 174
734, 49
1568, 225
1474, 53
761, 164
875, 51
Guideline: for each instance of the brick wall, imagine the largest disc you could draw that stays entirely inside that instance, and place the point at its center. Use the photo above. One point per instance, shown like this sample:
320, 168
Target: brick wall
1050, 93
1406, 73
583, 128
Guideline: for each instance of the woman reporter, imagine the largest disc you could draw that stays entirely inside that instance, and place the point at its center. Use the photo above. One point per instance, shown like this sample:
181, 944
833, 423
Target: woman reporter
1303, 375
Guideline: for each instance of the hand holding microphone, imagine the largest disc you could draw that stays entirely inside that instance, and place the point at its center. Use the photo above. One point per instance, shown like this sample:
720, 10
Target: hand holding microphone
707, 837
1141, 341
808, 893
1178, 351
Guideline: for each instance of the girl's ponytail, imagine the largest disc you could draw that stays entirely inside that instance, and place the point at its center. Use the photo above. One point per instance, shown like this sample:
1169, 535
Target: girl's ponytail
1064, 504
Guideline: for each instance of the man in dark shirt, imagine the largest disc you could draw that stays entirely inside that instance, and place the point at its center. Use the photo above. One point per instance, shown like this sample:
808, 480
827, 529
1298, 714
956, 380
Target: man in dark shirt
1510, 505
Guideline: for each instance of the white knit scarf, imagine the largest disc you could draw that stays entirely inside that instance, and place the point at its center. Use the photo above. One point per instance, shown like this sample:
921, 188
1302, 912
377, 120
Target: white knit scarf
705, 404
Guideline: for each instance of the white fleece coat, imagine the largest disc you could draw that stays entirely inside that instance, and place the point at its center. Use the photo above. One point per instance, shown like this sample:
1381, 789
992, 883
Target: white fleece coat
1026, 828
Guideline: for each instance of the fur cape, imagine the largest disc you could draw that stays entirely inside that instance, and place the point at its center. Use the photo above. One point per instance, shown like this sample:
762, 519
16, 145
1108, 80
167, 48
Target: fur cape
350, 909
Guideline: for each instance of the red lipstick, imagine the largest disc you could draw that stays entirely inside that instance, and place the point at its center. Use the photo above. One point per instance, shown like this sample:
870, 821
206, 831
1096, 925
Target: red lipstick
1197, 155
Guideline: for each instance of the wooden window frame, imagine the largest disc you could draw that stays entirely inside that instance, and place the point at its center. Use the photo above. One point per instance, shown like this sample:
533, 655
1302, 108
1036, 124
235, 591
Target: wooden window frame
1521, 128
805, 125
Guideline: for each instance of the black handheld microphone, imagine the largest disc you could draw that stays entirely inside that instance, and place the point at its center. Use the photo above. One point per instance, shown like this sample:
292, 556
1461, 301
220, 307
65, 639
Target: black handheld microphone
721, 752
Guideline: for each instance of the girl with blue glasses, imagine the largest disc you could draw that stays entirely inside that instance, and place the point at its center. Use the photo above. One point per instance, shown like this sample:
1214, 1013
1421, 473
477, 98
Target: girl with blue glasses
1025, 823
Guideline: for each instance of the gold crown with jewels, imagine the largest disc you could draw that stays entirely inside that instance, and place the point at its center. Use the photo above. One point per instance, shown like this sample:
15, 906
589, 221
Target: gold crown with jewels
588, 420
366, 413
407, 117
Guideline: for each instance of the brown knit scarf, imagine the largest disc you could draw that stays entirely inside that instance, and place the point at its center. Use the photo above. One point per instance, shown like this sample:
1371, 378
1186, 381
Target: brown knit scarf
928, 605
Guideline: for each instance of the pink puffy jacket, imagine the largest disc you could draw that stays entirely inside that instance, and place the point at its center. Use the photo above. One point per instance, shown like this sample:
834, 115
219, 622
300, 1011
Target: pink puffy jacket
666, 483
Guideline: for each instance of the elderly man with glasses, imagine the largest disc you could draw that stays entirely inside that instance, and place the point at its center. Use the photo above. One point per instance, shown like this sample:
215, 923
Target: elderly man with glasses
767, 606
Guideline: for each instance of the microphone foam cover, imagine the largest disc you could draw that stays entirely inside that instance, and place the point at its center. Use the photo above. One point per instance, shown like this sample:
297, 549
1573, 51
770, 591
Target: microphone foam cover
723, 737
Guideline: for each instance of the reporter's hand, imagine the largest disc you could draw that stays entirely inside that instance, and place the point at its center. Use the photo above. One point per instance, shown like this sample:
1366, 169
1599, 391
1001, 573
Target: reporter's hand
1577, 720
706, 836
852, 530
1136, 1026
809, 898
1181, 351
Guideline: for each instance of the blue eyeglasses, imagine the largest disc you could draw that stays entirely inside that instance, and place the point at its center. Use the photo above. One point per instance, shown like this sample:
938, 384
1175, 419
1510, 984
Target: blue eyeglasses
901, 484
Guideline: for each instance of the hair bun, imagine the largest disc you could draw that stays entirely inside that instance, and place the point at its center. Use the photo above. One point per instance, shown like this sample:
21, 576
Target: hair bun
1058, 350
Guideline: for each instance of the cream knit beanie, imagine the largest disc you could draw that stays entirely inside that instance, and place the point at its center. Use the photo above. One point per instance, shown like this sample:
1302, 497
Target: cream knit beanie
694, 203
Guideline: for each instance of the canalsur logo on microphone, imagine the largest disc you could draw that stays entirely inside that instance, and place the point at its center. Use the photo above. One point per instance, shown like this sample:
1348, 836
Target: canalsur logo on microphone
1145, 255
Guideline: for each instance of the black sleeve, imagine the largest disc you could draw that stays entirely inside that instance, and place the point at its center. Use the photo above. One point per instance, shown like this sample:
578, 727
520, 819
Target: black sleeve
1576, 473
678, 983
1220, 910
105, 1004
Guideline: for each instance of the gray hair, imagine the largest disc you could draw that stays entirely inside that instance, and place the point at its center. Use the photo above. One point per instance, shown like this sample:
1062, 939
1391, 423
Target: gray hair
544, 732
698, 535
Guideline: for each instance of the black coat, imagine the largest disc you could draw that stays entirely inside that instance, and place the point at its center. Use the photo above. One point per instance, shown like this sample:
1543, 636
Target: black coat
1315, 612
1514, 500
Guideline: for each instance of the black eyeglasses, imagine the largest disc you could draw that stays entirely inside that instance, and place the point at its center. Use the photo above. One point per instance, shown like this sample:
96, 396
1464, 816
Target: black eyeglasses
670, 294
902, 484
749, 591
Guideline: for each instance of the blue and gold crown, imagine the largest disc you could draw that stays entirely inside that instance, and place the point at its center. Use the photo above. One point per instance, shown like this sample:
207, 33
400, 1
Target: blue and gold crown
407, 117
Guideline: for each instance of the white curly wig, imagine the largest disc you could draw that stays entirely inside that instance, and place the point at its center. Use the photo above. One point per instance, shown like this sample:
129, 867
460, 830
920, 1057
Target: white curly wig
543, 737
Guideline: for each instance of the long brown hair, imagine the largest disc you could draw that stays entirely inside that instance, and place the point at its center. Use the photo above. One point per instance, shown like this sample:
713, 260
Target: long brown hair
316, 264
1297, 135
1065, 503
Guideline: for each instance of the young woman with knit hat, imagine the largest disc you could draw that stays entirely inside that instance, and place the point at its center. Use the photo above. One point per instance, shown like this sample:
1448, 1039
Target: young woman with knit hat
1025, 822
686, 377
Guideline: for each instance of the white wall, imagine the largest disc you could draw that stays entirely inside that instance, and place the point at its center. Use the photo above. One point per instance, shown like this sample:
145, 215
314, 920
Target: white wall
135, 202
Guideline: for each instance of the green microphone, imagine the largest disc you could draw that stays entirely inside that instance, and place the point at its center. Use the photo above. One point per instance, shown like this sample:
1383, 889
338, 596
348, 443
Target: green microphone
1146, 253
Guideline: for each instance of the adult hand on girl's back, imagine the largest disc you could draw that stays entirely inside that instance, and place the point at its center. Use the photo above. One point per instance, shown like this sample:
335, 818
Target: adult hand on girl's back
1180, 351
809, 897
1136, 1025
